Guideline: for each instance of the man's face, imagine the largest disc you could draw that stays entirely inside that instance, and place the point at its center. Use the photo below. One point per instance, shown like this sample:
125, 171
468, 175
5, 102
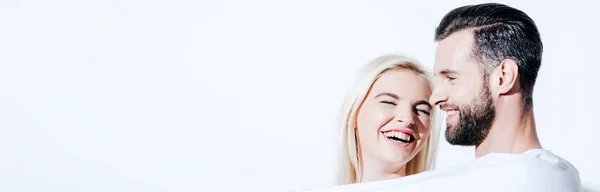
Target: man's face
462, 90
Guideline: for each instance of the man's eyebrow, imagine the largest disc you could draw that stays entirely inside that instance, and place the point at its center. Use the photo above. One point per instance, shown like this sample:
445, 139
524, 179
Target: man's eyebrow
448, 71
388, 94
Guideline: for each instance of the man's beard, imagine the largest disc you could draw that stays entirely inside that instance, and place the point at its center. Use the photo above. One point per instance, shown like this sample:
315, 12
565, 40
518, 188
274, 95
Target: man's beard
475, 121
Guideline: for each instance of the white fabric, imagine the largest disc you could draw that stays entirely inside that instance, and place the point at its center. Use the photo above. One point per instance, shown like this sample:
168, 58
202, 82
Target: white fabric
533, 171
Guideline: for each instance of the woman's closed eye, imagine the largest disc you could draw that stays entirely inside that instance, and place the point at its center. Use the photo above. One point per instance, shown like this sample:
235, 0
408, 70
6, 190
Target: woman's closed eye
388, 102
422, 111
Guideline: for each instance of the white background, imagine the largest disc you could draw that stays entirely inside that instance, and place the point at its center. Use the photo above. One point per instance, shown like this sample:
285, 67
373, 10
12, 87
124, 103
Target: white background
173, 95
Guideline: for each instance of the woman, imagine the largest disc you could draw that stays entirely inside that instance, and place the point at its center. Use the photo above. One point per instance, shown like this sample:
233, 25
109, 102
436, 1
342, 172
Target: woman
386, 122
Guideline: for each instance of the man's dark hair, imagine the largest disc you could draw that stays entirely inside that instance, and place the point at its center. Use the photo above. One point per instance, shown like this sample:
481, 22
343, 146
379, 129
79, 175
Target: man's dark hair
500, 32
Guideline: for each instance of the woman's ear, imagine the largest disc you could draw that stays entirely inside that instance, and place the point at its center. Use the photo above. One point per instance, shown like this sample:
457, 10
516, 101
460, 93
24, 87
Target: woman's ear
506, 74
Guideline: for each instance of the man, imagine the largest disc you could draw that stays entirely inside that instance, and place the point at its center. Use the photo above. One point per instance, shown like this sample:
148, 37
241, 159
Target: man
486, 64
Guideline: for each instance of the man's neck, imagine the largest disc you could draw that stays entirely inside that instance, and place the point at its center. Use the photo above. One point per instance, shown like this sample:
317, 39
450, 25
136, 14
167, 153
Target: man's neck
513, 131
373, 170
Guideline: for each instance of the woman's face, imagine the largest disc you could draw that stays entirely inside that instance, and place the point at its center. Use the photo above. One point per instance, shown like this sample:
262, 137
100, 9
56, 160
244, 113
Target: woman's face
393, 121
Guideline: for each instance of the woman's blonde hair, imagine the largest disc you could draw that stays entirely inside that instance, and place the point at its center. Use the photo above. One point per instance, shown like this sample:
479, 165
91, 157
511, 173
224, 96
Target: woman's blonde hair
348, 162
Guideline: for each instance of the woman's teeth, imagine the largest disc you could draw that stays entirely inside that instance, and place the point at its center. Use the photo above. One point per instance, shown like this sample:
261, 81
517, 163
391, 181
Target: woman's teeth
398, 136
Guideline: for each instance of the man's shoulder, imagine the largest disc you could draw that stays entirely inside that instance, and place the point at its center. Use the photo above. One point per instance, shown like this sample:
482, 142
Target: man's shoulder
542, 164
534, 170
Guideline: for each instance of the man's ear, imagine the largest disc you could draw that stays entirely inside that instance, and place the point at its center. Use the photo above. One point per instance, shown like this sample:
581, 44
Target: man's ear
507, 73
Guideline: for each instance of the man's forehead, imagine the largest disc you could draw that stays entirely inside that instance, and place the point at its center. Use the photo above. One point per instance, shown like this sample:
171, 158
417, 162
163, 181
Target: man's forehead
452, 51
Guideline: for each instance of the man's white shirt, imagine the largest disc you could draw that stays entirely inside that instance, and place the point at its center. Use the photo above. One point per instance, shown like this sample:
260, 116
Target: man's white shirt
534, 170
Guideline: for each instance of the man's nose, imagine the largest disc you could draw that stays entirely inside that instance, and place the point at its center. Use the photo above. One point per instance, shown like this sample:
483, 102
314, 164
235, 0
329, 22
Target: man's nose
438, 96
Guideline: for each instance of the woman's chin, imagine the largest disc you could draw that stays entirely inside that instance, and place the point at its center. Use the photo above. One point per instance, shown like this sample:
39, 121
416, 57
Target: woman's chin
399, 155
395, 157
